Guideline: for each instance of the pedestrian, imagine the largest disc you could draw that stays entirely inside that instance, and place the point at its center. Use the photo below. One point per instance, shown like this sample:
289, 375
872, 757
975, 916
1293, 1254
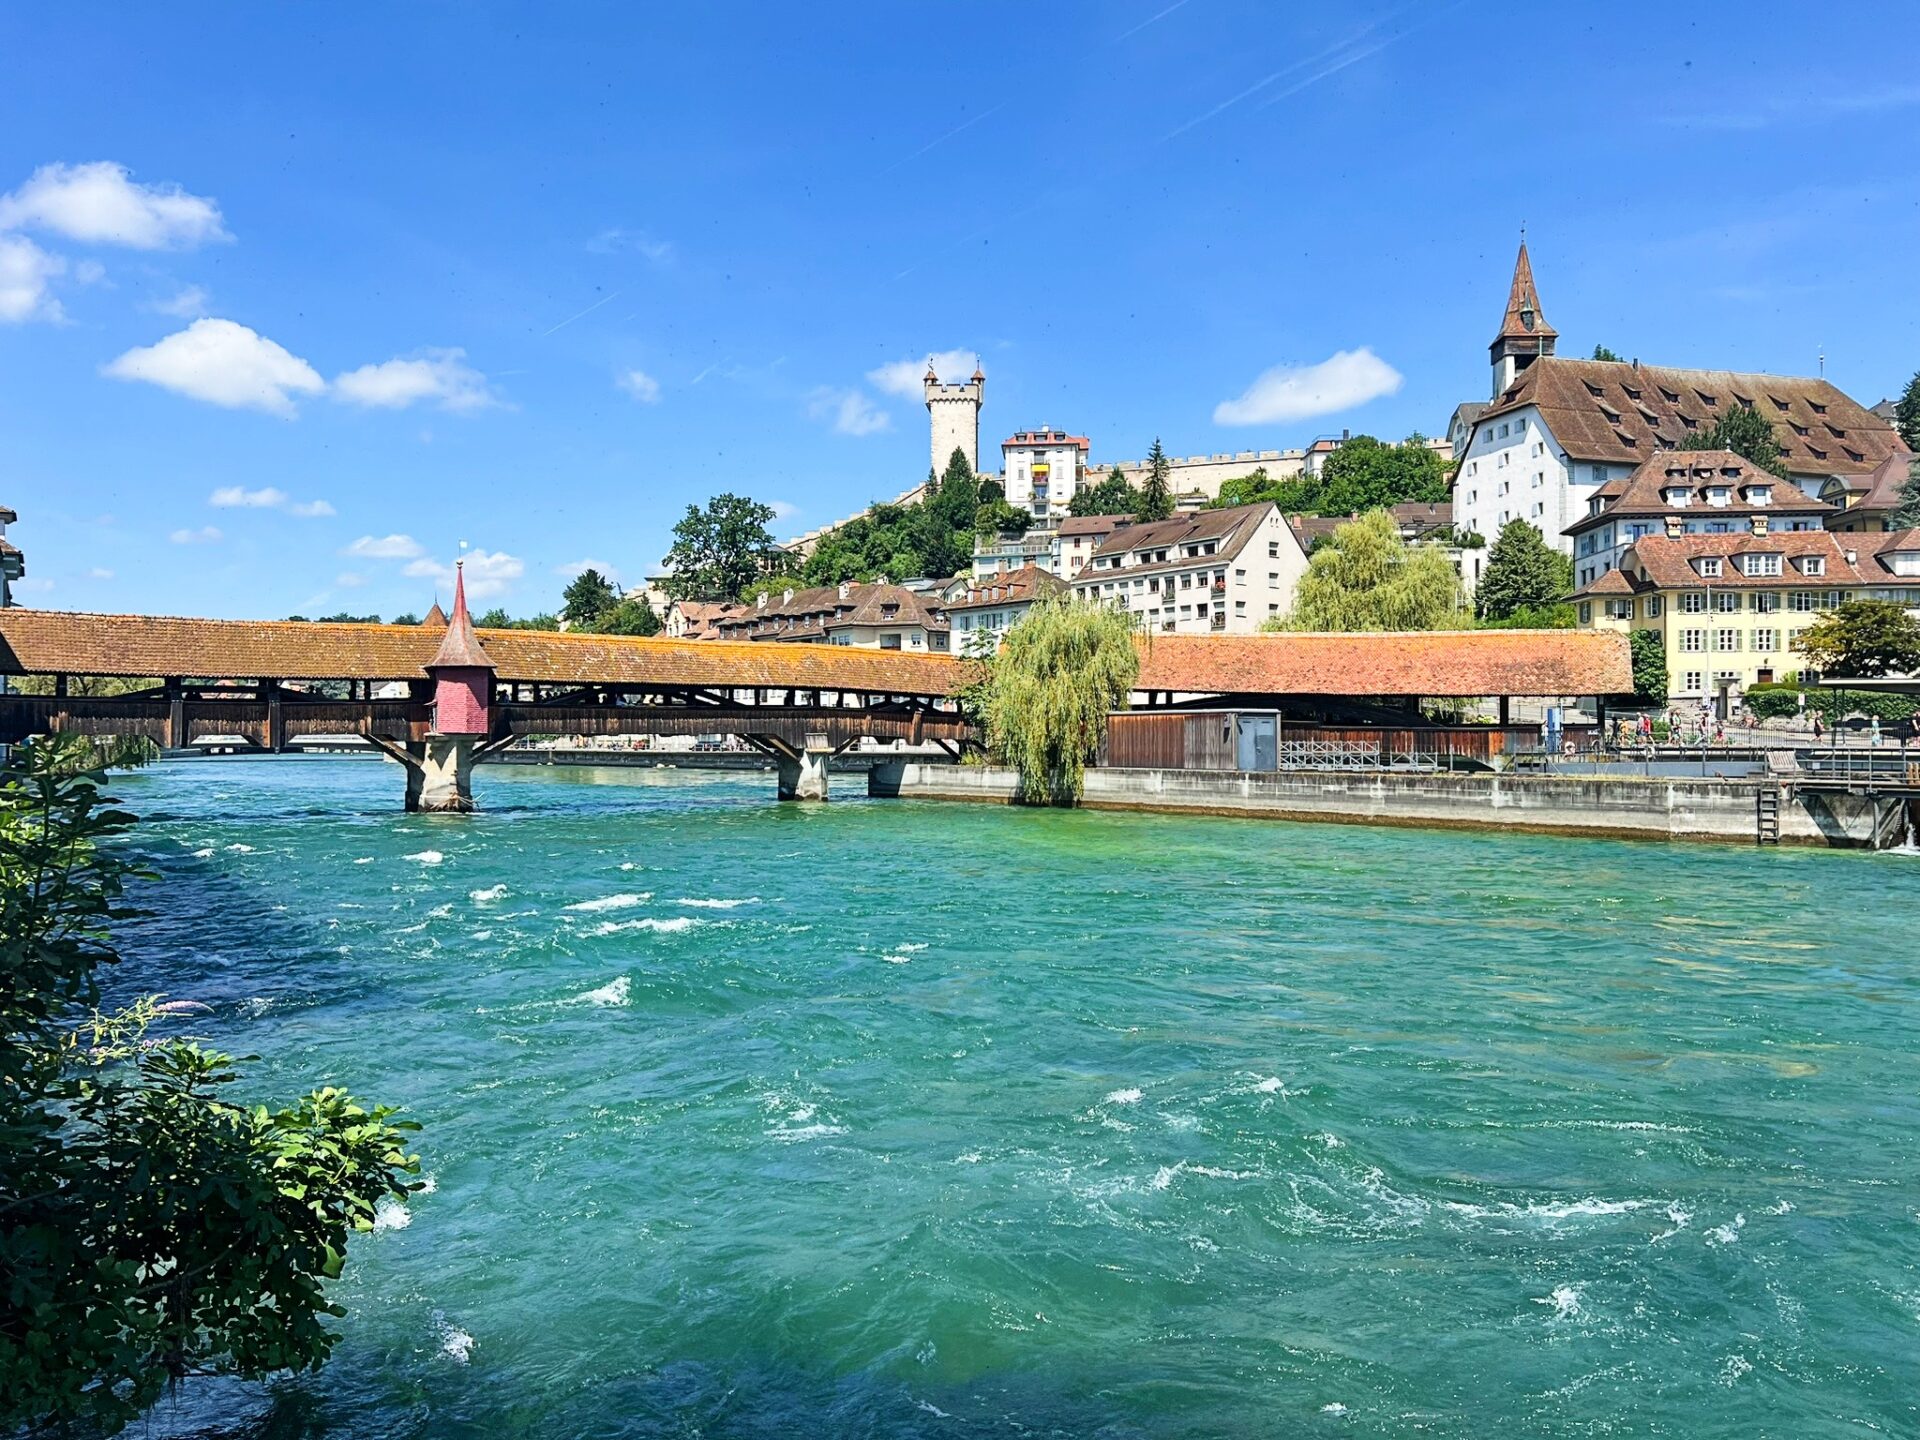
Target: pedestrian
1876, 729
1818, 729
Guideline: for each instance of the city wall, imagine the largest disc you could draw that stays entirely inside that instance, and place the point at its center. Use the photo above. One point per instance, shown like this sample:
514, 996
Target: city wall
1633, 808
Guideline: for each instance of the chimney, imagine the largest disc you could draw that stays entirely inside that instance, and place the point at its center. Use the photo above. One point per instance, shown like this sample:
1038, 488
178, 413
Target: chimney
762, 601
1853, 557
787, 599
1759, 524
1674, 527
846, 590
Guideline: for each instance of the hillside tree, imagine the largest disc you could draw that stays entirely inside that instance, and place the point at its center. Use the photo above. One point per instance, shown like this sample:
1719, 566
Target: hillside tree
1062, 669
1863, 638
589, 596
719, 548
1906, 414
1523, 573
1110, 495
1906, 513
1747, 433
1367, 578
1156, 489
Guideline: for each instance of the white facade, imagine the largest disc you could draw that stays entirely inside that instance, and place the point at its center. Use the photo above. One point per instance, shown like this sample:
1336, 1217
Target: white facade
1043, 470
954, 415
1204, 586
1515, 470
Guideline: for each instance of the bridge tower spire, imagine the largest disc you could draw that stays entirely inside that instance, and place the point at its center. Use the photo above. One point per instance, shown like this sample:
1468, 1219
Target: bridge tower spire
462, 674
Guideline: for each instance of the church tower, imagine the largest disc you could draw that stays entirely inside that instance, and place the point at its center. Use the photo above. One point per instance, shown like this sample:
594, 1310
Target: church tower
954, 415
1524, 335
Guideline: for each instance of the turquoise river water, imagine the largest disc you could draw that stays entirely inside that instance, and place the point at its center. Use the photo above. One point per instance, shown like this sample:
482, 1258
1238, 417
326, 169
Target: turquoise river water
896, 1118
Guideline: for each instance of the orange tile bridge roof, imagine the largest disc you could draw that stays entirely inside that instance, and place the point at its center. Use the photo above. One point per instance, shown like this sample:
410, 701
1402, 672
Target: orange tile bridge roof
550, 683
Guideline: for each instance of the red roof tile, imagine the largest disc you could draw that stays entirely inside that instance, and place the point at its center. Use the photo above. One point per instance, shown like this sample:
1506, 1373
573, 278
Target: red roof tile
1432, 663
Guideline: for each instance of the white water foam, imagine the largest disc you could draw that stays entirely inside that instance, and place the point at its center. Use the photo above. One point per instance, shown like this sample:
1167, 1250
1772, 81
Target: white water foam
1734, 1368
1273, 1085
390, 1214
719, 904
364, 860
455, 1343
206, 854
1333, 1408
1123, 1097
672, 926
1728, 1234
240, 849
1549, 1212
425, 857
491, 893
1565, 1301
611, 902
614, 992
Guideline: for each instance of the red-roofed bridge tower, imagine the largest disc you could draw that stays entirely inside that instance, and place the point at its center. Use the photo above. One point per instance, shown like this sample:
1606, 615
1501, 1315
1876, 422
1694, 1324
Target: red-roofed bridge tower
440, 775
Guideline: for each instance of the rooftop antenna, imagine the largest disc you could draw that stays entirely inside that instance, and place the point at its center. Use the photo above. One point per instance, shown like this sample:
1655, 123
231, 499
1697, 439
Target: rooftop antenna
1823, 362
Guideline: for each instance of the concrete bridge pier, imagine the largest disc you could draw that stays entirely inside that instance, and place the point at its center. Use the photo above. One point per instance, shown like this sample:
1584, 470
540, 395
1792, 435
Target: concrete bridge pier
442, 777
803, 775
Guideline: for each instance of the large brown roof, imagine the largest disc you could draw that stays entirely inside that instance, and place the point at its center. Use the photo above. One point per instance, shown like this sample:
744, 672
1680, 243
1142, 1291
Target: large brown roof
1644, 492
1093, 524
58, 641
1880, 487
1432, 663
1669, 562
1230, 529
1618, 412
1012, 587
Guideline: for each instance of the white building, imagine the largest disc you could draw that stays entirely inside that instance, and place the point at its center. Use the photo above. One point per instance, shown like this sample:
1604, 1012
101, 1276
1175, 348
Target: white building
954, 415
1557, 429
1042, 470
983, 614
1204, 572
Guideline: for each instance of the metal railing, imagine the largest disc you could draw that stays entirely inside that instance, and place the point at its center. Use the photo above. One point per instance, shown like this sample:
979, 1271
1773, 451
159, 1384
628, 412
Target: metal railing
1852, 765
1340, 755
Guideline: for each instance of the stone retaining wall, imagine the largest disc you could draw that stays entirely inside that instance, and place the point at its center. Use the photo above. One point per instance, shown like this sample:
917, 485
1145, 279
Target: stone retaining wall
1668, 809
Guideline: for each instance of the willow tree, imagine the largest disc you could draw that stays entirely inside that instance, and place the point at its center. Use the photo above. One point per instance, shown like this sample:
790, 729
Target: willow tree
1367, 578
1061, 670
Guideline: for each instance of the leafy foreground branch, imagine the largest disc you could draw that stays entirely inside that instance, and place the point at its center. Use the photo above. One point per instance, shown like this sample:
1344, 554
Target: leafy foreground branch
1046, 696
149, 1228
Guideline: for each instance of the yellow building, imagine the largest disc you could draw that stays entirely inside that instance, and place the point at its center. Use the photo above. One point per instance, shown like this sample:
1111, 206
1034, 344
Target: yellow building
1729, 606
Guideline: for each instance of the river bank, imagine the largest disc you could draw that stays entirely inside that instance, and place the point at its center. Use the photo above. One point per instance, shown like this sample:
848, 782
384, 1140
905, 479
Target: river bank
1591, 806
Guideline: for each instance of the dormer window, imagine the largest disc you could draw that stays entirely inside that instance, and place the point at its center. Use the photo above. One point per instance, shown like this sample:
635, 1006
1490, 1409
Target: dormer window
1817, 453
1672, 397
1708, 400
1813, 565
1718, 494
1689, 422
1853, 454
1836, 431
1762, 564
1677, 495
1819, 409
1632, 394
1592, 389
1801, 430
1759, 494
1745, 403
1778, 403
1708, 566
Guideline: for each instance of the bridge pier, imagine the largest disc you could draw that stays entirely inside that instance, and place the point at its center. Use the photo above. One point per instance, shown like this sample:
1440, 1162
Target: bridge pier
802, 774
440, 774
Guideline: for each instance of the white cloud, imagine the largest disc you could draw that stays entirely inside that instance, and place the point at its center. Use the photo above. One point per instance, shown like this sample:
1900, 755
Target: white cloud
489, 573
440, 376
1300, 392
25, 270
850, 412
640, 385
32, 584
782, 509
89, 272
575, 567
225, 364
232, 497
390, 547
189, 302
348, 580
903, 377
205, 535
99, 573
100, 204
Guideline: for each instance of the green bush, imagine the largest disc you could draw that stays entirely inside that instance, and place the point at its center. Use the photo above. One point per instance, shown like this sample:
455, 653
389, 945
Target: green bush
1772, 702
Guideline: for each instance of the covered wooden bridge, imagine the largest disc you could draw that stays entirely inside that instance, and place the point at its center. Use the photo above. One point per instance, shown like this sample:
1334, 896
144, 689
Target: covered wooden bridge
408, 688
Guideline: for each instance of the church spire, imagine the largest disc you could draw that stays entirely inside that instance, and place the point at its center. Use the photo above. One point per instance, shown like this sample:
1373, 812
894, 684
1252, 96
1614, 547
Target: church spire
1525, 335
460, 648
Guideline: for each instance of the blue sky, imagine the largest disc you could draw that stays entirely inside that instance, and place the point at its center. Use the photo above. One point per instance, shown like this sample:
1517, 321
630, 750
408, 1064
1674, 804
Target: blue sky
293, 300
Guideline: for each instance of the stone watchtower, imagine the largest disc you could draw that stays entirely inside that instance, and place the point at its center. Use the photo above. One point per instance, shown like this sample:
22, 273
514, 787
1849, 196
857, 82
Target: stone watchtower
1525, 336
461, 673
954, 415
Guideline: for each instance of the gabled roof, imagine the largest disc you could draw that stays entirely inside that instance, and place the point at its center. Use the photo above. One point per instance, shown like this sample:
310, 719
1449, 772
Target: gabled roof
1045, 437
1667, 562
1617, 412
1193, 526
1014, 587
1645, 491
436, 617
1093, 524
1880, 487
1613, 582
1430, 663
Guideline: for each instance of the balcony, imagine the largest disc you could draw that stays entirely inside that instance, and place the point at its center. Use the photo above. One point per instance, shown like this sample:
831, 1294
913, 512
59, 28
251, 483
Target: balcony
1219, 587
1218, 620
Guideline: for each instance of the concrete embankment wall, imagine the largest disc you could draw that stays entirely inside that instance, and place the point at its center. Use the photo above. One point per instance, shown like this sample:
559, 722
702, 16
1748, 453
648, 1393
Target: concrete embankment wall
1669, 809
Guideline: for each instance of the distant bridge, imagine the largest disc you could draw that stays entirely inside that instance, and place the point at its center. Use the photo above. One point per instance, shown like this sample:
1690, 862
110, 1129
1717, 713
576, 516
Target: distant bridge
270, 683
